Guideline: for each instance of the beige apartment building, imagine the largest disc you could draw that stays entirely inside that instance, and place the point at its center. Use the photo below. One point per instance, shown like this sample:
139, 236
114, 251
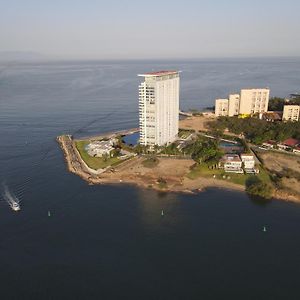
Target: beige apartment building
234, 105
249, 101
254, 101
221, 107
291, 113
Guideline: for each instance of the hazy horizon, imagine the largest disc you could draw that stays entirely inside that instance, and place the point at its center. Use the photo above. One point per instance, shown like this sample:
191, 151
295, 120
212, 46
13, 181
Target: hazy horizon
156, 30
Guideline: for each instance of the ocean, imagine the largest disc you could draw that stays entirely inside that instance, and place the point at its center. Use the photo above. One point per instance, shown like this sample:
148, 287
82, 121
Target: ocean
111, 242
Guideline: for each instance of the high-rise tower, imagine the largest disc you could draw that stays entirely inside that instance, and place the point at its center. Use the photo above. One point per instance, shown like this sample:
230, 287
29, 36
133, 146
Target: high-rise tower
159, 108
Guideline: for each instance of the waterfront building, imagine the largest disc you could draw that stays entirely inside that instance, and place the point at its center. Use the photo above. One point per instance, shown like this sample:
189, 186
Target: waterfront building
248, 102
291, 113
269, 144
159, 108
100, 148
221, 107
233, 105
248, 162
297, 149
231, 163
254, 101
289, 144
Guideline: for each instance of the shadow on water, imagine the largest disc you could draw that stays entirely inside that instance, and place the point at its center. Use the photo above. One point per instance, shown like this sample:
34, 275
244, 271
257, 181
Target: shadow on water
259, 192
259, 201
162, 194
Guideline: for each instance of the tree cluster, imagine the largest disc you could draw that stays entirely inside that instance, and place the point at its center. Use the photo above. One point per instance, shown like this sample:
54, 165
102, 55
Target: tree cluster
277, 103
204, 150
256, 130
256, 187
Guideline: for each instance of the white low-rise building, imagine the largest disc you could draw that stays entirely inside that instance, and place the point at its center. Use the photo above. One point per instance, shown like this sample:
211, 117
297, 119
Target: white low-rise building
231, 163
100, 148
296, 150
248, 162
269, 144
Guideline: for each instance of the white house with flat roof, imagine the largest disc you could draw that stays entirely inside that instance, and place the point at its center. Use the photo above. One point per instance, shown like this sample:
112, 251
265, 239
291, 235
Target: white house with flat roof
248, 162
231, 163
100, 148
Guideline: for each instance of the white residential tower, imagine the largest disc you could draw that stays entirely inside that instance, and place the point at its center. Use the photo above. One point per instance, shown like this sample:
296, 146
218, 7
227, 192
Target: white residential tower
159, 108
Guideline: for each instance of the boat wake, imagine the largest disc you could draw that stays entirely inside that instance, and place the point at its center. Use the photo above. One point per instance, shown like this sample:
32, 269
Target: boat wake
10, 198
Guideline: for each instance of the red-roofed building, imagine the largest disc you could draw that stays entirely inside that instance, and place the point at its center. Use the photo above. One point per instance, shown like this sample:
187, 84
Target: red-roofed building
291, 142
159, 73
288, 144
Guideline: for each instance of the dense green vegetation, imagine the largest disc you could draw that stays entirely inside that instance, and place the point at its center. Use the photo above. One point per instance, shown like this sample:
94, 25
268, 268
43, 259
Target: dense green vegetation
276, 104
204, 150
255, 130
95, 162
257, 187
170, 150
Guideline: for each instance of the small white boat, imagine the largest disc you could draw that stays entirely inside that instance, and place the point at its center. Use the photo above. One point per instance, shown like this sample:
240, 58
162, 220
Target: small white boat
15, 206
11, 199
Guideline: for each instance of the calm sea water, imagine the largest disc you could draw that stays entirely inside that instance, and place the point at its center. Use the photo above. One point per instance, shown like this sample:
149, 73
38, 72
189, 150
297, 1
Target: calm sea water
110, 242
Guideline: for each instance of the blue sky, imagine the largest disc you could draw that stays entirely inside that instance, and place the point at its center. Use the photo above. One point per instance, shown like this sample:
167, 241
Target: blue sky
154, 29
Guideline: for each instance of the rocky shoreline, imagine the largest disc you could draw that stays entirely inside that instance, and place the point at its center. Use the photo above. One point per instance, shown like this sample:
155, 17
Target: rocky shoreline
132, 172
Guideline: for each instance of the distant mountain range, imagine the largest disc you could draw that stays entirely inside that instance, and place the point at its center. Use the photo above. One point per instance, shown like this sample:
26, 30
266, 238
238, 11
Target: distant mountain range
21, 56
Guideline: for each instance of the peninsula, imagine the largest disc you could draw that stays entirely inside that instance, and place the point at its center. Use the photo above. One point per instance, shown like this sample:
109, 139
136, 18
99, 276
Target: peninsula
170, 169
238, 147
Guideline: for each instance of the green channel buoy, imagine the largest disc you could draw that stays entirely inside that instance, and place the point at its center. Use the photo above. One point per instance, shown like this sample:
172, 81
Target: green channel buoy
162, 212
49, 213
264, 229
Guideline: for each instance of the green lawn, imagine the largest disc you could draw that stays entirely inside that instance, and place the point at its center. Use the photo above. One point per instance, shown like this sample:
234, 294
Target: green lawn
203, 171
94, 162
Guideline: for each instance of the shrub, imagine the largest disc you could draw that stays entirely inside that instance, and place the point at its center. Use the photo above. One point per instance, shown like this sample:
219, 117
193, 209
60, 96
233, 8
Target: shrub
256, 187
162, 183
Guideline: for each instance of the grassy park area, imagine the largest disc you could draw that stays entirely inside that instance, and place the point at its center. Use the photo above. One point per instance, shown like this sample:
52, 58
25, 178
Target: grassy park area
203, 170
95, 162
